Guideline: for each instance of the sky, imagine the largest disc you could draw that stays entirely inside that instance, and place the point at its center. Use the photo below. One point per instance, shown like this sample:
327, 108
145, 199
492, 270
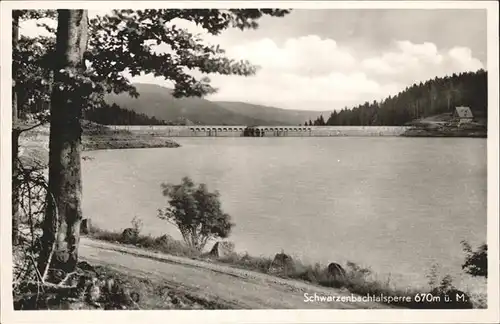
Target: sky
326, 59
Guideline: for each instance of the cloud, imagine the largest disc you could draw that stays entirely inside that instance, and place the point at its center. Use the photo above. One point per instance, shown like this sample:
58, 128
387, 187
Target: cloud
408, 62
306, 55
318, 73
287, 90
311, 73
462, 59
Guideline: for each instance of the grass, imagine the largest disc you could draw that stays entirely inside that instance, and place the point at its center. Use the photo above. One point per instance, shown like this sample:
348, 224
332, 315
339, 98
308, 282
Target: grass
358, 280
164, 243
156, 294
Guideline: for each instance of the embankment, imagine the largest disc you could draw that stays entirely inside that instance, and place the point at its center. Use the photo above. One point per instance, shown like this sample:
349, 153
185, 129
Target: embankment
358, 280
34, 144
446, 131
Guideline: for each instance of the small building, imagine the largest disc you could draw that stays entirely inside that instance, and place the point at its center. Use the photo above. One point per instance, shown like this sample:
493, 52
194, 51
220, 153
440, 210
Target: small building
464, 114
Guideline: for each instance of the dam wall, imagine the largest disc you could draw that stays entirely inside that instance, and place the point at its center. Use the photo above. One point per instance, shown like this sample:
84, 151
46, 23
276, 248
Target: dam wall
262, 131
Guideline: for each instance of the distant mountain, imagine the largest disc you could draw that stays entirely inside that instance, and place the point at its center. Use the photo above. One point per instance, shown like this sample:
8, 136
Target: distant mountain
286, 116
158, 102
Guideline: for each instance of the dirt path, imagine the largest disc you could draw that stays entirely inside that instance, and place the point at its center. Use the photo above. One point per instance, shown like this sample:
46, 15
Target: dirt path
232, 287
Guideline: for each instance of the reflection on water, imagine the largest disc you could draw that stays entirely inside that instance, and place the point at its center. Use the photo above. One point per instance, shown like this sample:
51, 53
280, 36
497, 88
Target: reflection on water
395, 204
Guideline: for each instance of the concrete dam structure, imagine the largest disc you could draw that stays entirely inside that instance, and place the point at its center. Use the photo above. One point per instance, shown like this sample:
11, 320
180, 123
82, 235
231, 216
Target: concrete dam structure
262, 131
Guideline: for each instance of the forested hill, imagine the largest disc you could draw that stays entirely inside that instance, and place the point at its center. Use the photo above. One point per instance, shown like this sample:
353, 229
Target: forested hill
158, 102
115, 115
436, 96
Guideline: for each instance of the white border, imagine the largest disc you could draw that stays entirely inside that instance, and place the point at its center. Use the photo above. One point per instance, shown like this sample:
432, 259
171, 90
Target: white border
491, 315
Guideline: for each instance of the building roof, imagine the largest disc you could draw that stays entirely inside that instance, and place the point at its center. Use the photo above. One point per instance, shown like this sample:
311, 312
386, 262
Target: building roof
464, 112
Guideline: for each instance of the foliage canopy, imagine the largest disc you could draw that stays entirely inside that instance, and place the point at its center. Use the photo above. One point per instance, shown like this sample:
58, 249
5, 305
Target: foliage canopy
196, 212
128, 42
476, 262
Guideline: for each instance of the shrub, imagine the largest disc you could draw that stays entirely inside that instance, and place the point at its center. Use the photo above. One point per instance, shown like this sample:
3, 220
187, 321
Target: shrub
196, 212
476, 262
137, 225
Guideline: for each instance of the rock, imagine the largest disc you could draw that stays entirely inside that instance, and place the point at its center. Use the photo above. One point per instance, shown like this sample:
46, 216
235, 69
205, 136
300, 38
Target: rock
85, 226
55, 275
222, 249
93, 292
336, 272
129, 235
108, 286
136, 297
164, 239
282, 263
85, 266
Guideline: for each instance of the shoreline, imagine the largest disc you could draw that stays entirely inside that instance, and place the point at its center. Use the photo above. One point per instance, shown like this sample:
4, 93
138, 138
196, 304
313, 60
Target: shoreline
34, 145
359, 280
445, 132
125, 141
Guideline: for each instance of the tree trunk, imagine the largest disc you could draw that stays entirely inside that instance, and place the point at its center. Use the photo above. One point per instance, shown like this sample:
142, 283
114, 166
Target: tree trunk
65, 182
15, 136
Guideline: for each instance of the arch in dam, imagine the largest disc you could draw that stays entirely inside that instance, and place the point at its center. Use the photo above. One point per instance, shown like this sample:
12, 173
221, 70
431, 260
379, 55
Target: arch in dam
211, 130
260, 129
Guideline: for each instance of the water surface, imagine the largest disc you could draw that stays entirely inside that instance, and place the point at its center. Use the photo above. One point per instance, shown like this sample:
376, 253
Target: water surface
395, 204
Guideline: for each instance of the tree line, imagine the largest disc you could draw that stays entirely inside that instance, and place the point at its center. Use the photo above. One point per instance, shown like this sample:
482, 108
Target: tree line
436, 96
115, 115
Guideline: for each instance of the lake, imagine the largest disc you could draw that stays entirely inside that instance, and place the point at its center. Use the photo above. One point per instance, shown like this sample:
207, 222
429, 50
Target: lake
395, 204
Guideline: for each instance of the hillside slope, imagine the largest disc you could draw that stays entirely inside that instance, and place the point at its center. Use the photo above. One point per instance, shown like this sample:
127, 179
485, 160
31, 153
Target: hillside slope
290, 117
425, 99
158, 102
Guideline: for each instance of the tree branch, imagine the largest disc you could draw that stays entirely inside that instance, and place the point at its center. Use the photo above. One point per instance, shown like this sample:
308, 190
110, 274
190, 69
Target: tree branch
20, 130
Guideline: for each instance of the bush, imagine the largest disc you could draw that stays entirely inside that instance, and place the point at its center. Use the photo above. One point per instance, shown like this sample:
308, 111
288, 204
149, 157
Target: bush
476, 262
196, 212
